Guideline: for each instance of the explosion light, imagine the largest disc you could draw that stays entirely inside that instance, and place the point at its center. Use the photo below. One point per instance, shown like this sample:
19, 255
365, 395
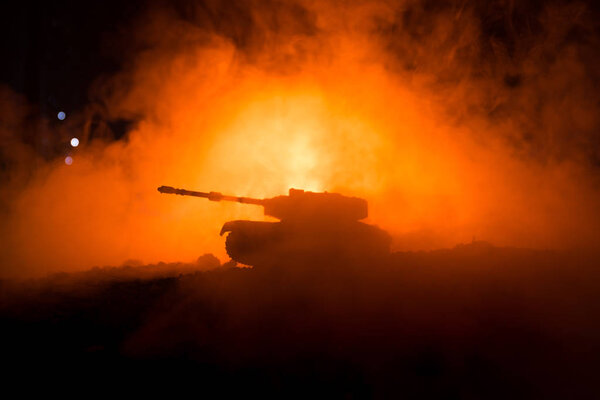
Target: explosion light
74, 142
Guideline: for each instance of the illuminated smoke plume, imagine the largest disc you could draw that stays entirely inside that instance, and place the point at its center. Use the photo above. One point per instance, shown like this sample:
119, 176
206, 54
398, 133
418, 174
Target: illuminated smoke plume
456, 121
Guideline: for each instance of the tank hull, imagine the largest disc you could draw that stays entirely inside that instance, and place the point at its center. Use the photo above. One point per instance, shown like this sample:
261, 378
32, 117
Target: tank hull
270, 243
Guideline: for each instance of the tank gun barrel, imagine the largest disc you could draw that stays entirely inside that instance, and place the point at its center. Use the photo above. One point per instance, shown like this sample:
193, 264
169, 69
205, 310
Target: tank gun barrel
212, 196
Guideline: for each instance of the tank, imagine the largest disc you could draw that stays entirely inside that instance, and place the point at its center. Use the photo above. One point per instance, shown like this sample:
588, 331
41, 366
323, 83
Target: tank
313, 227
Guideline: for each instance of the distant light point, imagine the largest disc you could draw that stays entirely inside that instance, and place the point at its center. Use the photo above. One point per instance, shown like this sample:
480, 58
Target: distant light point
68, 160
74, 142
61, 115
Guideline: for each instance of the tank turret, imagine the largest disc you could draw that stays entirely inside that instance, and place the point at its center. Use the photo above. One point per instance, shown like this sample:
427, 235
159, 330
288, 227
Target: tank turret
299, 204
313, 227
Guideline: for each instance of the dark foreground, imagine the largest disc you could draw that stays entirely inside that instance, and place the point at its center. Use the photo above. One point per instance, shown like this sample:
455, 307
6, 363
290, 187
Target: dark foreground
474, 322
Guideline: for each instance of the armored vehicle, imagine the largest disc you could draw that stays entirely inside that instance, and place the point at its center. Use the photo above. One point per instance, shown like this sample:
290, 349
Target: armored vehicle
313, 228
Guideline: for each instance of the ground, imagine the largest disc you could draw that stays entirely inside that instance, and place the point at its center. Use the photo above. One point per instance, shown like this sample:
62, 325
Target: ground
472, 322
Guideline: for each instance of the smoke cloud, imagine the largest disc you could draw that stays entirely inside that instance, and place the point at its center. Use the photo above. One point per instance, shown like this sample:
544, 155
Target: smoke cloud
455, 121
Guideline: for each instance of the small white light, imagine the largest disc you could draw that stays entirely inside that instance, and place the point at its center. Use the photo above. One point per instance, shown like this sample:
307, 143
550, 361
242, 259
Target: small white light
61, 115
74, 142
68, 160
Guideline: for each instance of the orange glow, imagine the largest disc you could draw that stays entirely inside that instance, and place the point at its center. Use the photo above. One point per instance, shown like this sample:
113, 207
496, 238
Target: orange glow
339, 121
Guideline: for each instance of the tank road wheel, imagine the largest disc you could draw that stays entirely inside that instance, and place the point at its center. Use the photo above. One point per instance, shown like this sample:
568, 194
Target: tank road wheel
250, 242
240, 247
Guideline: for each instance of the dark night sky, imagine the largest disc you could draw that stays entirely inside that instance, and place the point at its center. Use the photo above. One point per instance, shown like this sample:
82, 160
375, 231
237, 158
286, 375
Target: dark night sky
56, 49
54, 52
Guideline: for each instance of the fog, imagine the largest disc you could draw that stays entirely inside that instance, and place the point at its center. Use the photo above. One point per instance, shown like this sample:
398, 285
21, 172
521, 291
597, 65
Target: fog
456, 122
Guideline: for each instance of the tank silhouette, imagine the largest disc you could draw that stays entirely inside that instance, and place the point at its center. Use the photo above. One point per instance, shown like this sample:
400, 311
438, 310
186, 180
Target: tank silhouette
313, 227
